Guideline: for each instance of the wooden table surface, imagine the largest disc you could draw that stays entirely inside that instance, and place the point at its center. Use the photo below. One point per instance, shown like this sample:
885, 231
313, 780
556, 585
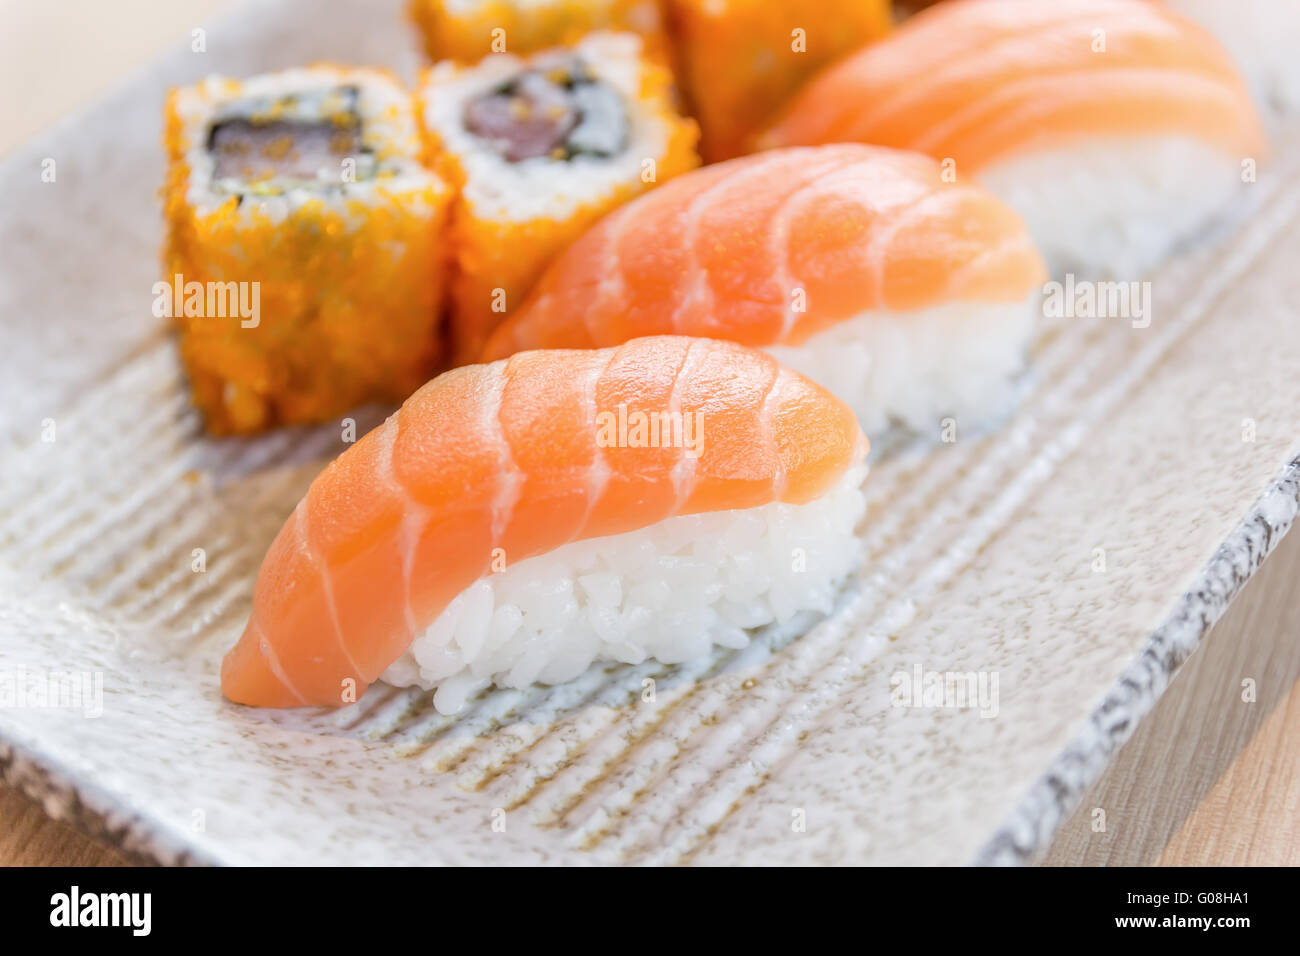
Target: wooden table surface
1194, 785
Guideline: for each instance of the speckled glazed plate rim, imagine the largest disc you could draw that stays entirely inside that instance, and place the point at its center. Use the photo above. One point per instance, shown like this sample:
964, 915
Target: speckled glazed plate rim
111, 818
1029, 829
98, 812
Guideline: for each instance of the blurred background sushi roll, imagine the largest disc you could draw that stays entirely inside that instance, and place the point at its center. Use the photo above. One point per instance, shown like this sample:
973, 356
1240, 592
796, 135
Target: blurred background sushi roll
1262, 36
540, 148
905, 8
740, 60
468, 30
1117, 129
299, 212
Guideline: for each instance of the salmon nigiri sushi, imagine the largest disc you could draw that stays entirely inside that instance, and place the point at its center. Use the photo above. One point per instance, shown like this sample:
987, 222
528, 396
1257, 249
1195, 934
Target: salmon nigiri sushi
910, 296
515, 522
1117, 128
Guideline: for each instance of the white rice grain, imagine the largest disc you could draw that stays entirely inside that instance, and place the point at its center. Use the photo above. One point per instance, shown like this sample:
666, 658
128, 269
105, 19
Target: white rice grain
1114, 207
668, 592
915, 369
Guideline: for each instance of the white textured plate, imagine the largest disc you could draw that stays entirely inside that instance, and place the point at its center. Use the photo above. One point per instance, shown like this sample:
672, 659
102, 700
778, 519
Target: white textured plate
980, 558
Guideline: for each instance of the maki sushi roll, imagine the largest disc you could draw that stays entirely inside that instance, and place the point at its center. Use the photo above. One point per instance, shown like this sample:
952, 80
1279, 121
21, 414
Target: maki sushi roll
740, 60
910, 297
516, 522
301, 197
1118, 129
468, 30
541, 148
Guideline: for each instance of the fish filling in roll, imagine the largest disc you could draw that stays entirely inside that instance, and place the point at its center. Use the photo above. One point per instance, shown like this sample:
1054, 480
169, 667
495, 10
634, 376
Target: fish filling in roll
559, 111
268, 147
